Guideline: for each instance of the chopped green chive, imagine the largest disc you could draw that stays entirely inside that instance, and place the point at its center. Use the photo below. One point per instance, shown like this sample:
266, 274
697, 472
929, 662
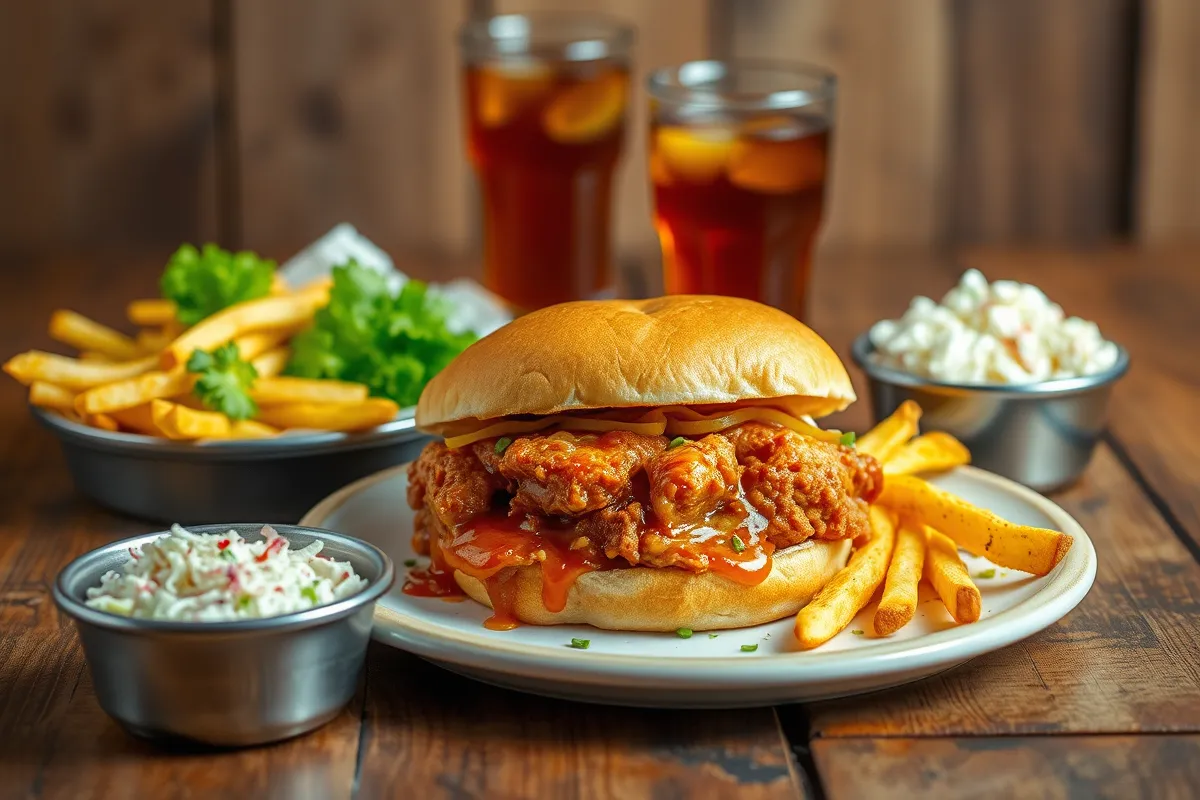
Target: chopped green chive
228, 555
749, 648
986, 573
502, 444
683, 633
310, 593
678, 440
736, 542
857, 633
713, 635
848, 438
410, 562
244, 601
580, 644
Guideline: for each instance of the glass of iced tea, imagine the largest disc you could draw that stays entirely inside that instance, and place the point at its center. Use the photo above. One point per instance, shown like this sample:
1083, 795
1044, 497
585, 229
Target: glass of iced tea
738, 160
546, 100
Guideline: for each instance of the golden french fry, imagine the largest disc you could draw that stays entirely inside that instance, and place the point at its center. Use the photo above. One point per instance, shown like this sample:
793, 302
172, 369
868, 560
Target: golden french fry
330, 416
947, 573
278, 391
135, 391
249, 429
976, 530
82, 333
71, 373
96, 357
153, 340
886, 437
272, 362
102, 421
279, 285
851, 588
930, 452
274, 312
47, 395
899, 601
138, 419
180, 422
151, 312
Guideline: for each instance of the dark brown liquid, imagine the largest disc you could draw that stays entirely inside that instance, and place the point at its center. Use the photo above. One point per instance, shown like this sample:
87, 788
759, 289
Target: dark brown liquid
544, 138
737, 212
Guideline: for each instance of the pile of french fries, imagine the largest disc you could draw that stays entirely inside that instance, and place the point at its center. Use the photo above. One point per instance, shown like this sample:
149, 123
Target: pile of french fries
140, 384
917, 530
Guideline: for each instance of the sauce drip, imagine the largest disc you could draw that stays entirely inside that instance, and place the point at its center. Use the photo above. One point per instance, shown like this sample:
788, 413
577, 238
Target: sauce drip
436, 580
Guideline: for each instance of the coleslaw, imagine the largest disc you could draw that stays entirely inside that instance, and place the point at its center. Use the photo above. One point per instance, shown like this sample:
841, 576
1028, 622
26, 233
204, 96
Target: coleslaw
211, 577
1002, 332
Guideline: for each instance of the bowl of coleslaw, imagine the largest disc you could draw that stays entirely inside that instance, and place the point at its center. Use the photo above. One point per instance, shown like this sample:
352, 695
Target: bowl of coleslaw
229, 635
1003, 369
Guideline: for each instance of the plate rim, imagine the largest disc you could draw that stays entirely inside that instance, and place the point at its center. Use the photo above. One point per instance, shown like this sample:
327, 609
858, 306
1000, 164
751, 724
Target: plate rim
955, 644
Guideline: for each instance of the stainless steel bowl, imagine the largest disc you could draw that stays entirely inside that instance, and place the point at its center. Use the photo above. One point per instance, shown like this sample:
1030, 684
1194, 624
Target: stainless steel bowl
280, 478
226, 683
1040, 434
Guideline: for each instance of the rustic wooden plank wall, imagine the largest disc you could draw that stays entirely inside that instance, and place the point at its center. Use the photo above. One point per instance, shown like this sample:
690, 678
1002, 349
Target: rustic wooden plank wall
1168, 173
138, 124
107, 128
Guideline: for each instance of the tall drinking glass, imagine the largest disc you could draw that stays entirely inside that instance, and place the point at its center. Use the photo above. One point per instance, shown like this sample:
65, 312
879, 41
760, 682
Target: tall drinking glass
546, 99
738, 161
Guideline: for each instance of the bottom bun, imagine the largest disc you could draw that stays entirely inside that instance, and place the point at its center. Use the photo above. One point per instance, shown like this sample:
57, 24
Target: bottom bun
666, 599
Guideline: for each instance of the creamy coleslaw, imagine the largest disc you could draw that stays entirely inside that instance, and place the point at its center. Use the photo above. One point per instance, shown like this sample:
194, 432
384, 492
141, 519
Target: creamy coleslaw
220, 577
1001, 332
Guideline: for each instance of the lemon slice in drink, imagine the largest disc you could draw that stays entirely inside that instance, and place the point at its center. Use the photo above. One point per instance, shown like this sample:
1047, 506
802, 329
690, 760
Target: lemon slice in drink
587, 111
777, 155
699, 155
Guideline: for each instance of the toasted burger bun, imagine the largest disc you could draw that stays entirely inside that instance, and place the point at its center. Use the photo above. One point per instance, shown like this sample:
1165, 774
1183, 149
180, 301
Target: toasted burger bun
680, 350
666, 599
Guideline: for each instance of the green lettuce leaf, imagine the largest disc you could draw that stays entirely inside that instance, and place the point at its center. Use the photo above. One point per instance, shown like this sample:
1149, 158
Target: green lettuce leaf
202, 282
393, 343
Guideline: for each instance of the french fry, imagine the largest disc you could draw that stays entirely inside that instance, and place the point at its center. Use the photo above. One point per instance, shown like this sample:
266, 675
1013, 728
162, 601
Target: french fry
135, 391
886, 437
930, 452
180, 422
899, 601
153, 340
980, 532
249, 429
137, 419
150, 313
278, 391
279, 285
851, 588
330, 416
947, 573
272, 362
95, 357
162, 415
71, 373
276, 312
102, 421
47, 395
82, 333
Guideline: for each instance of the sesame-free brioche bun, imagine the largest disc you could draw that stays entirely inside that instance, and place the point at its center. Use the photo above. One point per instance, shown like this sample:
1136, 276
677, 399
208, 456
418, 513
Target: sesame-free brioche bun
666, 599
680, 350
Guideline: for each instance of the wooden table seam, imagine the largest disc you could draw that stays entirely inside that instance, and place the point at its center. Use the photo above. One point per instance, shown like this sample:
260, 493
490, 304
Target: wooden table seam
1168, 515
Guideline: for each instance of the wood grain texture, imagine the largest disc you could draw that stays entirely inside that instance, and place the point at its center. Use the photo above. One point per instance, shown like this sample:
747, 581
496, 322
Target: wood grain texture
1030, 768
1168, 149
350, 111
425, 727
668, 32
1042, 97
891, 140
106, 124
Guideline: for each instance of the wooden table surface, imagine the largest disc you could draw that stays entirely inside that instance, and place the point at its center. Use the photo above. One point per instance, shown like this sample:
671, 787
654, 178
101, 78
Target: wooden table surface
1104, 703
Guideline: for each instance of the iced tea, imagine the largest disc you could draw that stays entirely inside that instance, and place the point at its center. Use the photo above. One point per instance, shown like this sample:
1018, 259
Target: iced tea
738, 194
544, 135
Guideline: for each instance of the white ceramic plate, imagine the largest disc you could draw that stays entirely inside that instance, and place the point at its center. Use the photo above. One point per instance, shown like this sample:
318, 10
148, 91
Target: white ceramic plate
663, 670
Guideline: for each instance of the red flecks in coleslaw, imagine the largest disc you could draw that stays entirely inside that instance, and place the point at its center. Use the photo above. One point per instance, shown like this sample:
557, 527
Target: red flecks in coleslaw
221, 577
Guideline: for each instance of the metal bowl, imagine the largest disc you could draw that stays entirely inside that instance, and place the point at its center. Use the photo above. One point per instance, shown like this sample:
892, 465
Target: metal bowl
1039, 434
280, 478
226, 683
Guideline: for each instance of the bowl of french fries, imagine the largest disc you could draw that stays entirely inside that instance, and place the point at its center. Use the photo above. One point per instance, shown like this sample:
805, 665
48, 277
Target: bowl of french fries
237, 395
917, 531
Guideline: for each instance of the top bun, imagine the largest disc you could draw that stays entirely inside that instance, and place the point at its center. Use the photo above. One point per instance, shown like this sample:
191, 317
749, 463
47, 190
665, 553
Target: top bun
679, 350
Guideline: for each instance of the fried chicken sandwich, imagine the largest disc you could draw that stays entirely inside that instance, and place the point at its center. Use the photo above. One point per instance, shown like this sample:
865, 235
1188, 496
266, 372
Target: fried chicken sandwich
639, 465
